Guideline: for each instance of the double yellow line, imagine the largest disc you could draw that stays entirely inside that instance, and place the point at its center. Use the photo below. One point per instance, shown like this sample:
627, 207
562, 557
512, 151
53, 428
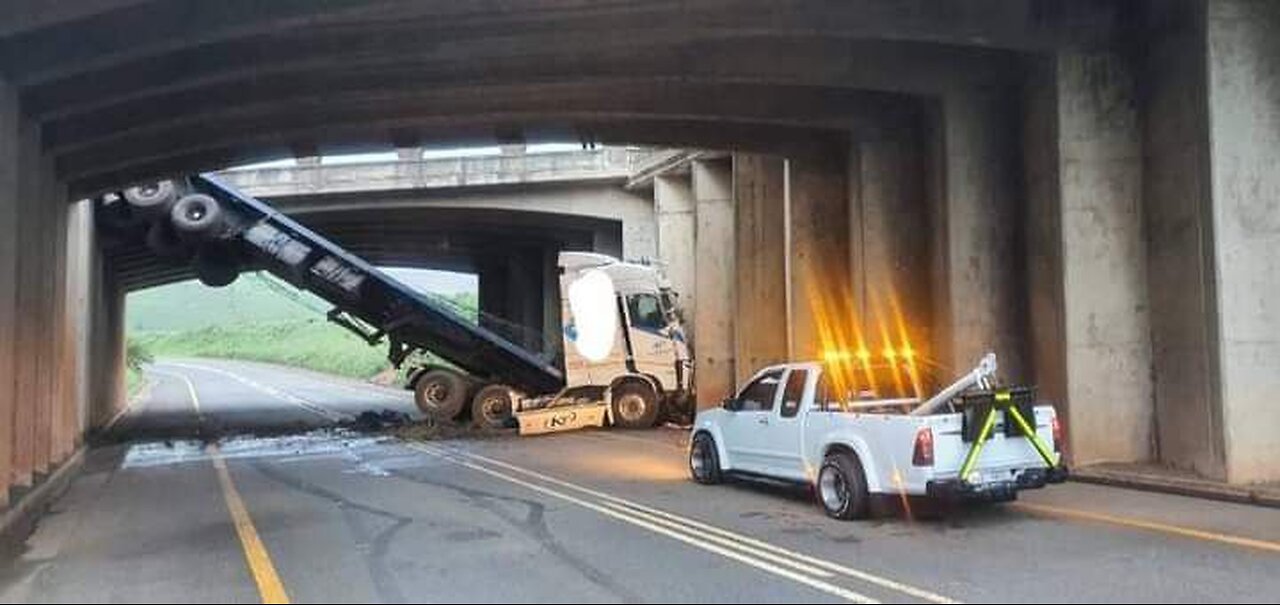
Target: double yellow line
812, 572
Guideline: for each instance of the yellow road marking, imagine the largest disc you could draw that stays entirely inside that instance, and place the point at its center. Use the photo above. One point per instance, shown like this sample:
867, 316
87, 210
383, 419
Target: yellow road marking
1186, 532
255, 553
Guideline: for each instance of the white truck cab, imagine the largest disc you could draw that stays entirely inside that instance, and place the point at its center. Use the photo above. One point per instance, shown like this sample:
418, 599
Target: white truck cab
791, 422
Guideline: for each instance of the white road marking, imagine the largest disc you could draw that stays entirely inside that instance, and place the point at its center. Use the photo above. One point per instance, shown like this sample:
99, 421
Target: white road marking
307, 405
736, 553
745, 540
191, 391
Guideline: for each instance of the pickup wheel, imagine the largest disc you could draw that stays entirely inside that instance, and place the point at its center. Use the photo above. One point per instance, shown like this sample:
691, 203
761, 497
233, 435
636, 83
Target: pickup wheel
635, 405
440, 393
704, 460
842, 487
491, 408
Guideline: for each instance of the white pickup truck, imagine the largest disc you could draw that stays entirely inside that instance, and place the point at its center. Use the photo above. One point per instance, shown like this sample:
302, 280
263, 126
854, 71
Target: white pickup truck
791, 423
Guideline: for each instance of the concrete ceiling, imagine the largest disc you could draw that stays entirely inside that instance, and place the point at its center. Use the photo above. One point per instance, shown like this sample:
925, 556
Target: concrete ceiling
131, 89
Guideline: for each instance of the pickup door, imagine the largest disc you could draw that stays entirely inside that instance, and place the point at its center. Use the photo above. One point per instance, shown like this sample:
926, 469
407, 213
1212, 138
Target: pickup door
763, 430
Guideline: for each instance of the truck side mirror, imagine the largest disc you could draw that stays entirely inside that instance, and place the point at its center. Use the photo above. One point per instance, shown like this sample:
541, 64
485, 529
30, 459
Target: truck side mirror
730, 404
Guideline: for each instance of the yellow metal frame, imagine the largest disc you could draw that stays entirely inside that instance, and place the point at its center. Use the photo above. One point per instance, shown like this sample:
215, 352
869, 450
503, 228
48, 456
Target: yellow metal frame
1004, 402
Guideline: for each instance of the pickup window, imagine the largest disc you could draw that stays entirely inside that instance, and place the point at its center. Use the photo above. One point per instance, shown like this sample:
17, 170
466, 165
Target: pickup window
759, 395
794, 393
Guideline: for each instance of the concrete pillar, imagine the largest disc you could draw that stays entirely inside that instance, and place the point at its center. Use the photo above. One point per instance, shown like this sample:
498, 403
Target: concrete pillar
28, 339
1089, 320
820, 305
978, 285
714, 274
107, 346
9, 214
1244, 138
1177, 200
759, 187
674, 206
889, 254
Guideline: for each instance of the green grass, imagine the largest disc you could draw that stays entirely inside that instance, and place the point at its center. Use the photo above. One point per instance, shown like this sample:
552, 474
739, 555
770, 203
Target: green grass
313, 344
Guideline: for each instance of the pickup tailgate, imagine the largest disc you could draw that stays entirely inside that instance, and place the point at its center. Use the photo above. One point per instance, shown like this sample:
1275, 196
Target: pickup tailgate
1004, 455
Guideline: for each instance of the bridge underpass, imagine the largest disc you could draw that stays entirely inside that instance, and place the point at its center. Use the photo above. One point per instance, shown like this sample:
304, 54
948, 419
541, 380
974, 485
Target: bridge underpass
1084, 187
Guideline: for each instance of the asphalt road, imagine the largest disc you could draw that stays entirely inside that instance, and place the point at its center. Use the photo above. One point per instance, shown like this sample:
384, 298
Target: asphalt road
336, 516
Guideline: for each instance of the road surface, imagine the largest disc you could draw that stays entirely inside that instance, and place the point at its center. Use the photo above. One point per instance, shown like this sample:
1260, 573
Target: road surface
335, 516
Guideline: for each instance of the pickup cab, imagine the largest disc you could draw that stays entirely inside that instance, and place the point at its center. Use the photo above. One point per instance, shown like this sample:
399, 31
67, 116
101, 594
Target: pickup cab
792, 423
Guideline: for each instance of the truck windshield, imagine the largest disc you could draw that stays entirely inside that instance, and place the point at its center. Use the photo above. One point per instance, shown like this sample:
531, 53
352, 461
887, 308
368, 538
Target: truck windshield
646, 312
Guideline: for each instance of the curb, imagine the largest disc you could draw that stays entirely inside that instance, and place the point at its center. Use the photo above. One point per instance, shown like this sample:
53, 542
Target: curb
19, 520
1195, 488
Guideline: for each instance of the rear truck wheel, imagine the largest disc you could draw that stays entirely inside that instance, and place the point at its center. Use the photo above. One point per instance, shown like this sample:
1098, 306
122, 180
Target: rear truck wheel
216, 267
704, 460
162, 241
635, 405
440, 393
842, 487
492, 407
152, 199
197, 217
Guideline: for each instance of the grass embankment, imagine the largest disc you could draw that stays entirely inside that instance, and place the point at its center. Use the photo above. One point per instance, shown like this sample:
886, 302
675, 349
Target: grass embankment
312, 344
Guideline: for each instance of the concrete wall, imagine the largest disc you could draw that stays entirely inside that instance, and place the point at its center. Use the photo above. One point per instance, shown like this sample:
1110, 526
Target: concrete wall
1244, 140
759, 184
9, 213
713, 318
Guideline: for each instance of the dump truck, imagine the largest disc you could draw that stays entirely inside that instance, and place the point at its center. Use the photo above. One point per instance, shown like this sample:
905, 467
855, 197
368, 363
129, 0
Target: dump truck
800, 422
625, 359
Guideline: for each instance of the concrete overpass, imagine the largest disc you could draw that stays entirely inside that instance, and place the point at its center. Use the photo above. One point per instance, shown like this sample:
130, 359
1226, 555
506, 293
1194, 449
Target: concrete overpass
1086, 187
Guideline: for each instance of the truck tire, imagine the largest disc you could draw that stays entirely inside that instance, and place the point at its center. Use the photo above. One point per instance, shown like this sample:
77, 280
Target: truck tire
197, 217
842, 487
163, 242
440, 393
152, 199
492, 407
704, 460
216, 268
634, 405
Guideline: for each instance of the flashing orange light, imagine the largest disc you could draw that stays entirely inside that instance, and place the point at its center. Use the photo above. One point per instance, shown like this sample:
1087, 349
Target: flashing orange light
889, 353
864, 356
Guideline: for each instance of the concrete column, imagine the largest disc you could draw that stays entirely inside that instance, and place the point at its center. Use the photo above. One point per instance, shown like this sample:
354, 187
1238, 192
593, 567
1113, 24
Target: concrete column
9, 203
82, 250
714, 274
673, 203
1244, 138
889, 255
1177, 201
28, 337
820, 307
978, 268
1090, 327
759, 184
107, 346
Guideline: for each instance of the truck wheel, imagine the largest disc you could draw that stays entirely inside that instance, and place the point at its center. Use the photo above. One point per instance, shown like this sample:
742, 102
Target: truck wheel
635, 406
216, 268
197, 216
152, 199
842, 488
440, 393
162, 241
704, 460
492, 408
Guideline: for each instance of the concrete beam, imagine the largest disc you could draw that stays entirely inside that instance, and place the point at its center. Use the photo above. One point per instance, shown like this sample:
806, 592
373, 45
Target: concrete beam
760, 310
818, 273
713, 319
